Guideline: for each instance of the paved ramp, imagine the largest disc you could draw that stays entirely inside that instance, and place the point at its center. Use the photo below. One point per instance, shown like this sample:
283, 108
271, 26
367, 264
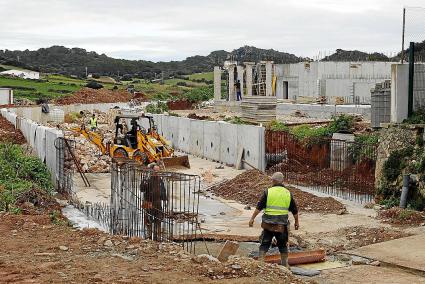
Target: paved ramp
407, 252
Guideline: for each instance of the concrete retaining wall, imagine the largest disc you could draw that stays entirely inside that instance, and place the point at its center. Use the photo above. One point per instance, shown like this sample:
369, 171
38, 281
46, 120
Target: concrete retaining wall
217, 141
34, 112
323, 111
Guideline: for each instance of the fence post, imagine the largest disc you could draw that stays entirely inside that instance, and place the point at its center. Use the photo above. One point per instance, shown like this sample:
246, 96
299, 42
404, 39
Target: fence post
411, 77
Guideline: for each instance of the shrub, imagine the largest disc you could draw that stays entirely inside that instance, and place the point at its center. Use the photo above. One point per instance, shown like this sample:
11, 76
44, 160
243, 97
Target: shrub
277, 126
94, 85
158, 107
19, 174
199, 94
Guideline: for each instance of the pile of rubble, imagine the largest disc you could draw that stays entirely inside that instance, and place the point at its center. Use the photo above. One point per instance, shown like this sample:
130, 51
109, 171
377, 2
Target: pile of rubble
8, 133
250, 185
91, 158
92, 96
400, 216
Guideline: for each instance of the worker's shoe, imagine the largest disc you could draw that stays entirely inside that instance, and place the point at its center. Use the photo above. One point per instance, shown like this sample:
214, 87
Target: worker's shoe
261, 256
284, 260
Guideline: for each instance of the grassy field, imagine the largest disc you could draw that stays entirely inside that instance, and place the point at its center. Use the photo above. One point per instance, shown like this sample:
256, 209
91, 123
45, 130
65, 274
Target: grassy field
34, 89
199, 76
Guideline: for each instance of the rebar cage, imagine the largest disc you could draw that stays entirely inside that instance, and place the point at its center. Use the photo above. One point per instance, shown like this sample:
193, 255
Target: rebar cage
335, 167
162, 206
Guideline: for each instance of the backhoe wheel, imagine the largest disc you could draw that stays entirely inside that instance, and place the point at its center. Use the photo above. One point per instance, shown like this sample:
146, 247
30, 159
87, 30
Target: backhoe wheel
140, 157
120, 153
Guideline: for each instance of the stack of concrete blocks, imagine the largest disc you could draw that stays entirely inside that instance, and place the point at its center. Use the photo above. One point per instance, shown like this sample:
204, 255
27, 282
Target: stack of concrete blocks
40, 138
324, 111
215, 140
259, 109
381, 104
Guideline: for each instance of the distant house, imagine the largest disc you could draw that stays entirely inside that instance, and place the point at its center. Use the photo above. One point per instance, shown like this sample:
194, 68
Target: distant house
25, 74
6, 96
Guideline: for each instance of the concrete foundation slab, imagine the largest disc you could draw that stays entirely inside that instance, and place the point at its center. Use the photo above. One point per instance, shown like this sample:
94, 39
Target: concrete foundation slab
405, 252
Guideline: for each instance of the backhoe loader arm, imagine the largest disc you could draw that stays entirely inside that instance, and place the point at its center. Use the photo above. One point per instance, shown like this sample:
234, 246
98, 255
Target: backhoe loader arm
93, 137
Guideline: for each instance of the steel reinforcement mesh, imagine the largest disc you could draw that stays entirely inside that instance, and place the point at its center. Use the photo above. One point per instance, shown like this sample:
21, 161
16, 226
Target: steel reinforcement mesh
335, 167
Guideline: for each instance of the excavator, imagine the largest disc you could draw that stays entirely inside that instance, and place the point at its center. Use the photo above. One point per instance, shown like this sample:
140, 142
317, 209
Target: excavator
140, 144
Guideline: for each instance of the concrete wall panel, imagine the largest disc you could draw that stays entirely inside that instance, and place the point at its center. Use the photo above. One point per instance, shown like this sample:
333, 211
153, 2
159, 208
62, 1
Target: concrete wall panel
250, 139
229, 141
196, 137
184, 135
173, 125
212, 140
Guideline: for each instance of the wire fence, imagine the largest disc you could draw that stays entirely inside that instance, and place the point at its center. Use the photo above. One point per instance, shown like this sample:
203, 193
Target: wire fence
335, 167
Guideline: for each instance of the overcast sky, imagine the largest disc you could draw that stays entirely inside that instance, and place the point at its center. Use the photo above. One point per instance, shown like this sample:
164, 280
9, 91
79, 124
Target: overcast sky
172, 30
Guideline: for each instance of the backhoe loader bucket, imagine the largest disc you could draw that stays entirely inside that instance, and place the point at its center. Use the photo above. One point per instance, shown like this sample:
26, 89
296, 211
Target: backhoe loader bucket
176, 161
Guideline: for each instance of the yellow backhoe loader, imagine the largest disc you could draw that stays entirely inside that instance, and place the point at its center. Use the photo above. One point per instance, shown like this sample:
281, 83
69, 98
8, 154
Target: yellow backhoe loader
143, 145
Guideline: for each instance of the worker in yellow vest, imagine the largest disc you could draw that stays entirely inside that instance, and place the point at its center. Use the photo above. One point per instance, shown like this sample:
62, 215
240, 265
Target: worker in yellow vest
276, 202
93, 122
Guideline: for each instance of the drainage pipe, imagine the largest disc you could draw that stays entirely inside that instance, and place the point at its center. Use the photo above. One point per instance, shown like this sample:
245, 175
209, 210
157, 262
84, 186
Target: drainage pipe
404, 191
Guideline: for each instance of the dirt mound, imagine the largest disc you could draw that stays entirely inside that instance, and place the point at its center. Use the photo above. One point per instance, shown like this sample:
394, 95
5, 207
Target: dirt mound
36, 201
399, 216
61, 254
250, 185
90, 96
9, 134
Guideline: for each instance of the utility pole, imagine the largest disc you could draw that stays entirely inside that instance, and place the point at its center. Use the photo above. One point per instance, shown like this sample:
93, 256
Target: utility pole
87, 72
402, 36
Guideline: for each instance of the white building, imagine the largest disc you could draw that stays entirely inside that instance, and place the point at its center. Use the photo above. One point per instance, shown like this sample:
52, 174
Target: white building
6, 96
351, 81
22, 74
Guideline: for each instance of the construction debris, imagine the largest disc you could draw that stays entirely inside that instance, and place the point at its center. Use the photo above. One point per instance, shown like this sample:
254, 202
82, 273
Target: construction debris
250, 185
229, 248
400, 216
92, 96
349, 238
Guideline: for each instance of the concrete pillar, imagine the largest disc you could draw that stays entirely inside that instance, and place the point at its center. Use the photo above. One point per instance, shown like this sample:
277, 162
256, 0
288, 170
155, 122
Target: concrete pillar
240, 77
217, 83
232, 95
399, 87
248, 76
269, 77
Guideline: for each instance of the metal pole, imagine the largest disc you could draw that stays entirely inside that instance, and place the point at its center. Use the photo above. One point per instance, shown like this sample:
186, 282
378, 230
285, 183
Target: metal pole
402, 37
411, 77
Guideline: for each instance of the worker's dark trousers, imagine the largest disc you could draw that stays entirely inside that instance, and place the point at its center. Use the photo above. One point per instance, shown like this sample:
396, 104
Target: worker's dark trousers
281, 238
238, 96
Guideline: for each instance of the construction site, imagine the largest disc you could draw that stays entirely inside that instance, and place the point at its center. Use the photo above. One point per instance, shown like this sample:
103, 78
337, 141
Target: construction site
249, 166
128, 222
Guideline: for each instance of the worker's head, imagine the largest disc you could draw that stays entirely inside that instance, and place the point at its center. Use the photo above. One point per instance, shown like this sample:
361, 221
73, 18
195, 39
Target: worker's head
277, 178
94, 115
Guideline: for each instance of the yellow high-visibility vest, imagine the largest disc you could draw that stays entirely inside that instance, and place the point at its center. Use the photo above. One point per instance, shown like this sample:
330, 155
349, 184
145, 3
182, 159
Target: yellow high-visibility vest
278, 201
93, 122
